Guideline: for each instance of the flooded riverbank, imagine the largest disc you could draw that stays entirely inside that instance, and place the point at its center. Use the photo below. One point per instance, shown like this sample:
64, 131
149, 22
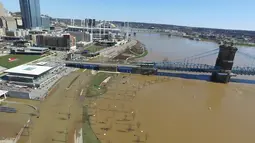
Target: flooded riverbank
158, 109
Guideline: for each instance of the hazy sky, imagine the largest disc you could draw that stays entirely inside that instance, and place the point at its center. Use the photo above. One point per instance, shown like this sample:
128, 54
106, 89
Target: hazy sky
229, 14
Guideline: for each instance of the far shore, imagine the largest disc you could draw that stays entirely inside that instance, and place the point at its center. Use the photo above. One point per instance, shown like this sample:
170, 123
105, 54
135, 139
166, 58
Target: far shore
242, 45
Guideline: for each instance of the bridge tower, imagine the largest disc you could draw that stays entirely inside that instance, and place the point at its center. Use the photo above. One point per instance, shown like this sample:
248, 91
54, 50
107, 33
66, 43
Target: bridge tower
224, 63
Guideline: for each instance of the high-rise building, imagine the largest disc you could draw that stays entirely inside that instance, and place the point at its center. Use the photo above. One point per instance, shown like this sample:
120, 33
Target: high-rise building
45, 22
31, 14
90, 21
93, 22
86, 22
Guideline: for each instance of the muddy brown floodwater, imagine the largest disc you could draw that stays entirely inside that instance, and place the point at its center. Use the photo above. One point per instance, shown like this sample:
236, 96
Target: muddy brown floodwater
175, 110
160, 47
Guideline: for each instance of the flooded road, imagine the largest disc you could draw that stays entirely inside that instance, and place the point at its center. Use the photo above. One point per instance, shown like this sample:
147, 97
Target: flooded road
172, 48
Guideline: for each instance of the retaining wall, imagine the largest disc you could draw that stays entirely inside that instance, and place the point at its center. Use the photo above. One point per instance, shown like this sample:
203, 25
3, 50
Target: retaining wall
18, 94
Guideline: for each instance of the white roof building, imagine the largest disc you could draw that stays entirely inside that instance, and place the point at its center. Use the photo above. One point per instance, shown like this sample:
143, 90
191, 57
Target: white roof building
3, 93
31, 70
41, 63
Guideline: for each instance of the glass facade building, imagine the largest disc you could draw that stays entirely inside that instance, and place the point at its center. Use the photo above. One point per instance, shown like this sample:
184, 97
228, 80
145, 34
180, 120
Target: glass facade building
31, 14
45, 22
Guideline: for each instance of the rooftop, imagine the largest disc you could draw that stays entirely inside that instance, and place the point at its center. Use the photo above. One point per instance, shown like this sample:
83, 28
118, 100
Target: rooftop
41, 63
2, 92
37, 48
28, 70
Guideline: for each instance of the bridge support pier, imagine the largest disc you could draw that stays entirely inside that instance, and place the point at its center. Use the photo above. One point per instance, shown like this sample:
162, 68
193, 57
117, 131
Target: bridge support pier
224, 64
221, 77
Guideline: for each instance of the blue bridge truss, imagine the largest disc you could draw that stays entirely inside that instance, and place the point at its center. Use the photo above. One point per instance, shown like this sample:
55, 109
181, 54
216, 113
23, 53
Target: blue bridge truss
191, 64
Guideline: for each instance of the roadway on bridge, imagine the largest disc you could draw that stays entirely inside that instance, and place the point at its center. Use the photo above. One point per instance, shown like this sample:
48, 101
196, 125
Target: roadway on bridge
103, 64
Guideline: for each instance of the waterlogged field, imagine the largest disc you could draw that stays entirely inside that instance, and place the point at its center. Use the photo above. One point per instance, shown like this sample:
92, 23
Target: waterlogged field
153, 109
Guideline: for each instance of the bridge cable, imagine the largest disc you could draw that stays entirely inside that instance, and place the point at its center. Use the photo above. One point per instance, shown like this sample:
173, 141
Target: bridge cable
205, 55
188, 63
247, 69
246, 54
196, 55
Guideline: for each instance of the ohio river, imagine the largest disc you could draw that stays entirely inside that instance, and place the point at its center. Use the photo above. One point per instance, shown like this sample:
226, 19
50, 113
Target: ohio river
193, 111
161, 47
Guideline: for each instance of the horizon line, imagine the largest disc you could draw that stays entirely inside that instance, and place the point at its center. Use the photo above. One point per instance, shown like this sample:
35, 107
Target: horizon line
230, 29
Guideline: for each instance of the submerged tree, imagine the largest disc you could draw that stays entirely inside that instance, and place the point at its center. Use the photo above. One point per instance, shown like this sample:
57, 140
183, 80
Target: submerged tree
125, 117
138, 124
146, 136
133, 115
138, 139
129, 127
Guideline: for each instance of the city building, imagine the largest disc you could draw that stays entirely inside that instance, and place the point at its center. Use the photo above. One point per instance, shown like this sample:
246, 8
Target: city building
8, 23
97, 32
31, 38
31, 14
28, 75
2, 10
81, 36
17, 33
17, 16
29, 50
56, 42
45, 22
19, 22
21, 33
10, 38
2, 31
10, 33
21, 43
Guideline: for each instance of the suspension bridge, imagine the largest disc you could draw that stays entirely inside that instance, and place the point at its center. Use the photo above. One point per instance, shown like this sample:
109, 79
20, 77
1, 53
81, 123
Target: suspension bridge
221, 70
193, 64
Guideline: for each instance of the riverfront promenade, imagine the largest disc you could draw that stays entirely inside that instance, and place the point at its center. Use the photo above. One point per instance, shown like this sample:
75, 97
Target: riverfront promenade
114, 51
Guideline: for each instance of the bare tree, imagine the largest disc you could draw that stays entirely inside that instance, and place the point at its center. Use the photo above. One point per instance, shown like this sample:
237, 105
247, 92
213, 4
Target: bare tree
138, 139
146, 136
138, 124
129, 127
122, 106
113, 114
109, 106
125, 117
133, 115
110, 126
